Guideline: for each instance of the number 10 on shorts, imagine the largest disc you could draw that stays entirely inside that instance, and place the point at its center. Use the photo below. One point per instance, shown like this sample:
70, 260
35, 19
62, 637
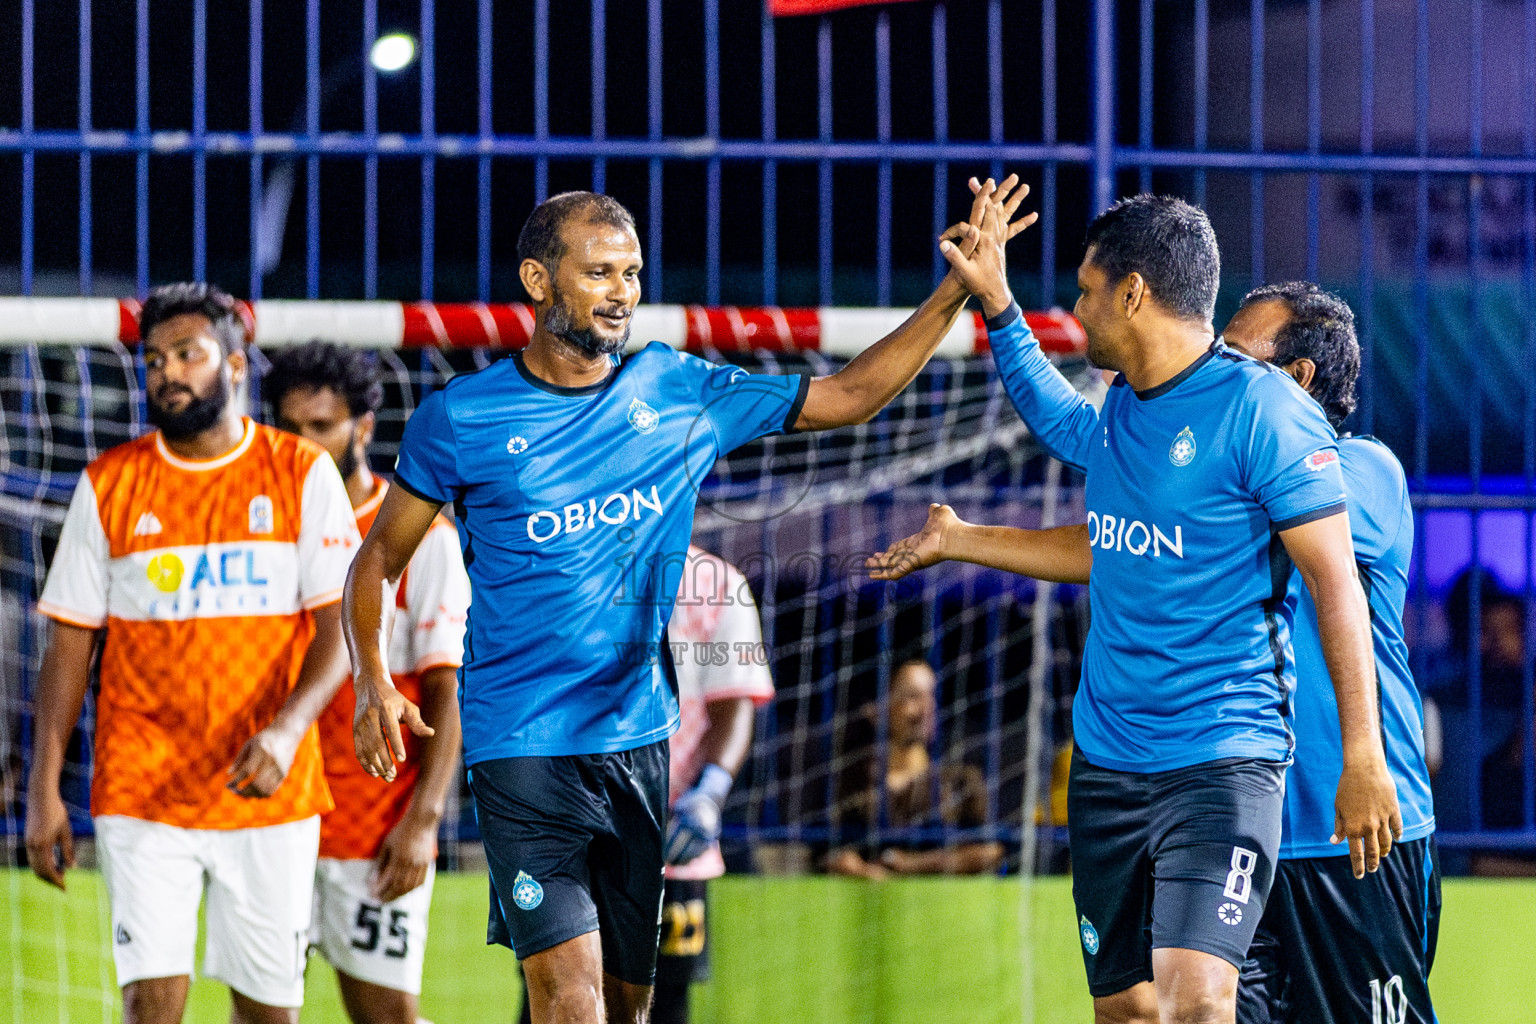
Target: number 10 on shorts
1240, 878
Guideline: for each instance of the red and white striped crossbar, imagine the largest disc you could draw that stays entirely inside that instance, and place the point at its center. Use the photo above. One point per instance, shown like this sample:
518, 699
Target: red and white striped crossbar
834, 331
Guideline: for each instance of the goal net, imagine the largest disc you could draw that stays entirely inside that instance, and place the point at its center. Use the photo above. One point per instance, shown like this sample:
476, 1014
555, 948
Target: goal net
797, 514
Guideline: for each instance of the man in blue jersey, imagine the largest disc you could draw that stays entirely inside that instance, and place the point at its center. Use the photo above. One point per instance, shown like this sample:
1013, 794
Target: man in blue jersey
1208, 475
1329, 948
573, 476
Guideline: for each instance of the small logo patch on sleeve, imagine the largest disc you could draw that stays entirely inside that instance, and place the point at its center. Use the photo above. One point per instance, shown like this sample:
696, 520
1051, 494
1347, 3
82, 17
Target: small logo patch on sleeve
1318, 459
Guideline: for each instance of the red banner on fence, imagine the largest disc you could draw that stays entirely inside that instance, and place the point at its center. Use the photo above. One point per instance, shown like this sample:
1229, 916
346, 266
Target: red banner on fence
790, 8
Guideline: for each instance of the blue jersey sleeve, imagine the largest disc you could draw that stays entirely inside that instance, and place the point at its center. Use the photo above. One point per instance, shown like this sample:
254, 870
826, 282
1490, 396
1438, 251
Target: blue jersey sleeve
427, 465
1062, 419
1291, 465
741, 406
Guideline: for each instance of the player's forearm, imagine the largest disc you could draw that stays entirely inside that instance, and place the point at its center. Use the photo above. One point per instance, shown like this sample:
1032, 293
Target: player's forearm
1345, 631
61, 686
965, 859
440, 751
362, 610
729, 738
1063, 420
867, 384
1058, 555
321, 675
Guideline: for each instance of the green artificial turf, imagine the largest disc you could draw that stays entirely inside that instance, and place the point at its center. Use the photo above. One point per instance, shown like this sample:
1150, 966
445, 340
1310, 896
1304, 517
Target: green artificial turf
813, 950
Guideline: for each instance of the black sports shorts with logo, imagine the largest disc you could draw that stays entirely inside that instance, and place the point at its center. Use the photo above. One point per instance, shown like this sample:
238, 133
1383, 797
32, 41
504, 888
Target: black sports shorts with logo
575, 845
1336, 949
1180, 859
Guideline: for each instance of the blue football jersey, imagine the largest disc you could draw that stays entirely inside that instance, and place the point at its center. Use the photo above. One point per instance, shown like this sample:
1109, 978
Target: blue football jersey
1381, 520
574, 510
1188, 657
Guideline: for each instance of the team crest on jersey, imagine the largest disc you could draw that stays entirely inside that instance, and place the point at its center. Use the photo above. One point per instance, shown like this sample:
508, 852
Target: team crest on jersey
642, 417
261, 514
526, 893
1230, 913
1090, 935
517, 444
1183, 451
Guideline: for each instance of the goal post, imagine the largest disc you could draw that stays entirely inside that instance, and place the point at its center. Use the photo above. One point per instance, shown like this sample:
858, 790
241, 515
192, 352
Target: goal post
798, 514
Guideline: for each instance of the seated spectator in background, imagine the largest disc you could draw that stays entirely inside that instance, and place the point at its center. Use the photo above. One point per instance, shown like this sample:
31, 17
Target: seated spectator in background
1484, 750
913, 796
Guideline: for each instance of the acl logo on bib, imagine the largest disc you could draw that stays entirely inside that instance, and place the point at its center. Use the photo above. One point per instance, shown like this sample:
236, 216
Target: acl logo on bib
526, 893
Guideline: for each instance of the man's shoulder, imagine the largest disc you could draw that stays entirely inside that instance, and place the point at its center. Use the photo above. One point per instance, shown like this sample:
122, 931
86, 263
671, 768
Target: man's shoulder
286, 450
122, 458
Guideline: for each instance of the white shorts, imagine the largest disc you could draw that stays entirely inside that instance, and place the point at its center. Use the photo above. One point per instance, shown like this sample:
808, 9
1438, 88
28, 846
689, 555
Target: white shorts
380, 943
258, 882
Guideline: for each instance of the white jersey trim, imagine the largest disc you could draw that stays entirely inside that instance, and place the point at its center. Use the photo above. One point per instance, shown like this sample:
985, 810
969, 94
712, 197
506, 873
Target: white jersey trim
204, 465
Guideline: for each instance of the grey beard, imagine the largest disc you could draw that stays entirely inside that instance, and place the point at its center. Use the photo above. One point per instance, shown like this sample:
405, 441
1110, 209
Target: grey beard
561, 323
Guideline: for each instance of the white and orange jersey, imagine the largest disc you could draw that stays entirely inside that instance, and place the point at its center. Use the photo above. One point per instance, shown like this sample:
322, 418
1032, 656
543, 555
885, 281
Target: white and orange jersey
427, 631
203, 574
717, 649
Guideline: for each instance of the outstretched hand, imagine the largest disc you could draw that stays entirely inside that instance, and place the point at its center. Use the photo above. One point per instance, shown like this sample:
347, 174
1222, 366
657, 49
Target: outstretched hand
975, 249
919, 551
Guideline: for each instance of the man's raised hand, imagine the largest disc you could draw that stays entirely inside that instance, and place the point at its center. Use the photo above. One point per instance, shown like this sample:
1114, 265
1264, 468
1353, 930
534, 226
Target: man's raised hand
975, 249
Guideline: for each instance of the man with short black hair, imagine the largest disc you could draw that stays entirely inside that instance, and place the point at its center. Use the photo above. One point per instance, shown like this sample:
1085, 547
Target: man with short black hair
373, 884
1329, 947
574, 476
1208, 475
208, 557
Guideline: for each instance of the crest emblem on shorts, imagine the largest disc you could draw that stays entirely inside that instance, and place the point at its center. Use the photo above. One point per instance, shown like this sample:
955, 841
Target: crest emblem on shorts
642, 417
526, 893
1090, 935
1230, 913
261, 514
123, 938
1183, 451
517, 444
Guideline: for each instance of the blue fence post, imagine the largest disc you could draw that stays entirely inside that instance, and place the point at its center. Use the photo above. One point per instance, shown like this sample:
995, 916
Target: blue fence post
1046, 203
428, 133
824, 165
312, 162
712, 167
483, 162
770, 131
371, 161
883, 182
254, 118
141, 156
85, 156
940, 134
199, 131
541, 97
1103, 159
1367, 305
599, 90
1256, 140
1145, 86
654, 126
1202, 90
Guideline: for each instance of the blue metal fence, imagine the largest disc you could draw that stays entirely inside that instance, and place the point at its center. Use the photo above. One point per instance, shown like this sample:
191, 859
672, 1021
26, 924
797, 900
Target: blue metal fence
1274, 115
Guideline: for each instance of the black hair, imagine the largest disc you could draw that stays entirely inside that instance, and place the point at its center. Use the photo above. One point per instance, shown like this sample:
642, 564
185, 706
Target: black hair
351, 373
540, 238
1168, 242
1322, 329
208, 300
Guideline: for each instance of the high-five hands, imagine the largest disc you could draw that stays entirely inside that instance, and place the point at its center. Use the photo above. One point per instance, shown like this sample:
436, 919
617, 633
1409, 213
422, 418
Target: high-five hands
919, 551
975, 249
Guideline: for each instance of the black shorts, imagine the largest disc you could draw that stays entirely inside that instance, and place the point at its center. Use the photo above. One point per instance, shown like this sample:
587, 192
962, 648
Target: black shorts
1180, 859
683, 957
1332, 948
574, 846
